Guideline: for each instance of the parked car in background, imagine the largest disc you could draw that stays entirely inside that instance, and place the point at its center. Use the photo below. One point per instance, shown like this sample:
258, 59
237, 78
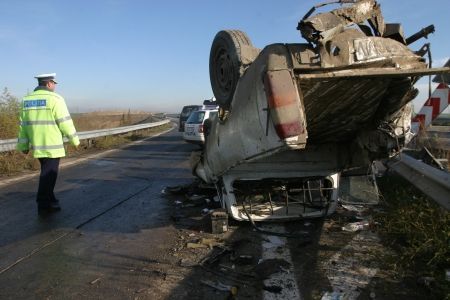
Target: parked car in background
185, 113
194, 128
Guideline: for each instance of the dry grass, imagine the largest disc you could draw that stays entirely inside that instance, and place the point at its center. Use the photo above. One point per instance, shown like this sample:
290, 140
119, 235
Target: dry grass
9, 125
417, 230
93, 121
15, 162
9, 115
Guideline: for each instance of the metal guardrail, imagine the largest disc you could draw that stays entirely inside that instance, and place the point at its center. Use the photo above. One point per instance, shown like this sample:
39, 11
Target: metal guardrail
431, 181
10, 145
439, 128
437, 137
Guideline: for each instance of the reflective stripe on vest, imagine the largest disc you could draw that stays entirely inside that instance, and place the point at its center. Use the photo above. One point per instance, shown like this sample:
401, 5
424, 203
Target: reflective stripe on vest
30, 123
60, 120
47, 147
72, 136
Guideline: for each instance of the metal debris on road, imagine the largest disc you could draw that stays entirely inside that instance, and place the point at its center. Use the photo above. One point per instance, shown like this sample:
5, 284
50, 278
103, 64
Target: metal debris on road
221, 287
268, 267
272, 241
219, 221
334, 296
273, 289
195, 245
356, 226
95, 280
204, 243
355, 208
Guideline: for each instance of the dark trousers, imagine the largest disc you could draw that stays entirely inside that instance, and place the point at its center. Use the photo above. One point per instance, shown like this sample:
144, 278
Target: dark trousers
47, 181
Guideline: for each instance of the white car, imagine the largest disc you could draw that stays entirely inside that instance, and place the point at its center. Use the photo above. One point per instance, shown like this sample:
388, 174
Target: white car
194, 126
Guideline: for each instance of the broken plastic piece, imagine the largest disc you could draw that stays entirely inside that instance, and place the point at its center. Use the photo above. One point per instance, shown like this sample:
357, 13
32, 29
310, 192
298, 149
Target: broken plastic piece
353, 227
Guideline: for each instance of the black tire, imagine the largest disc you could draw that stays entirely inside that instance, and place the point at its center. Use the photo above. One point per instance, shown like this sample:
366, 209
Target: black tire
225, 64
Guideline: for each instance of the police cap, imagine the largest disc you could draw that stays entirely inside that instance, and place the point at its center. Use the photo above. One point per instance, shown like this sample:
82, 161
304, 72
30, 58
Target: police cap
46, 77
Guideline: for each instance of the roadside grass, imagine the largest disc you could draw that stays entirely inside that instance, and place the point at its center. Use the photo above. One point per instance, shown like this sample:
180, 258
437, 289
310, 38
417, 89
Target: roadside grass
9, 112
95, 121
14, 162
417, 230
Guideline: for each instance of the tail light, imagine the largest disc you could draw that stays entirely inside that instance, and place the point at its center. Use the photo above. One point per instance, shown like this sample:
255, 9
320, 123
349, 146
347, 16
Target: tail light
200, 128
284, 104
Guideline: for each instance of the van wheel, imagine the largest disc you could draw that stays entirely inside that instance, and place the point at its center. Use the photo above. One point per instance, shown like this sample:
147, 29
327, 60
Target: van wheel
225, 64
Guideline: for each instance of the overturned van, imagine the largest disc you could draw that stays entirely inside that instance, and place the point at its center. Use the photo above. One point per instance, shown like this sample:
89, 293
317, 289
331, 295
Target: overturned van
292, 117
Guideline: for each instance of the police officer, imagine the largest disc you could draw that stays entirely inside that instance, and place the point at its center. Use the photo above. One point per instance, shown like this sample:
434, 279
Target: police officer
44, 121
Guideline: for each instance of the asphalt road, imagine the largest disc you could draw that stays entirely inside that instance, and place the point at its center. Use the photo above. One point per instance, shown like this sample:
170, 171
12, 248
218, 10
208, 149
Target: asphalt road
119, 237
113, 220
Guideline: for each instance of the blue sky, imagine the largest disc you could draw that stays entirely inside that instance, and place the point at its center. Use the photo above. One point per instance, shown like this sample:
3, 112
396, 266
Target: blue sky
153, 55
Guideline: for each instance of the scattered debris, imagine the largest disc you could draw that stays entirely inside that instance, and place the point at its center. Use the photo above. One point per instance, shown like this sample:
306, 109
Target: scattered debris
273, 289
221, 287
187, 263
243, 259
211, 242
355, 208
95, 280
205, 211
426, 281
273, 241
334, 296
351, 270
176, 190
141, 290
226, 275
196, 197
215, 255
219, 221
233, 270
204, 243
353, 227
195, 245
267, 267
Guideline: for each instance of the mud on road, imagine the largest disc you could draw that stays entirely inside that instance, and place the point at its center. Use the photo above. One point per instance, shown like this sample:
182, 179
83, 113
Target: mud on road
326, 258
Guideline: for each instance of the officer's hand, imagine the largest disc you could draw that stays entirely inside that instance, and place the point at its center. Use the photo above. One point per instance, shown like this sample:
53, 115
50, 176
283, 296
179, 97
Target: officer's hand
25, 151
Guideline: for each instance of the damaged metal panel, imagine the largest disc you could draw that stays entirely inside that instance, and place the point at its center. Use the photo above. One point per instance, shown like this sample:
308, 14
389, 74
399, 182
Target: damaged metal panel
324, 26
301, 113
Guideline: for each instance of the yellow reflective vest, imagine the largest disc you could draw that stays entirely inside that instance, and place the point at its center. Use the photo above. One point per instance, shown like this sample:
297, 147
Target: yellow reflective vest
44, 121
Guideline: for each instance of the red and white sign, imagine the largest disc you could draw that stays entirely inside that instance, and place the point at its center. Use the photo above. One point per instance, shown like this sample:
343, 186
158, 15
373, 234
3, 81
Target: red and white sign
432, 108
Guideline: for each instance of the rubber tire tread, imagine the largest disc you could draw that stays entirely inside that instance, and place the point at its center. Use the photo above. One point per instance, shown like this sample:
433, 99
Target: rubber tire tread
232, 41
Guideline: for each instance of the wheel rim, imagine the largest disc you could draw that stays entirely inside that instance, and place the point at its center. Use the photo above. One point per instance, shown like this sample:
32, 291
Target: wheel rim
223, 72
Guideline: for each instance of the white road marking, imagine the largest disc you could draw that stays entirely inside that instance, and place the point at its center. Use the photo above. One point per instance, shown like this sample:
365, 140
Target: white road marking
274, 247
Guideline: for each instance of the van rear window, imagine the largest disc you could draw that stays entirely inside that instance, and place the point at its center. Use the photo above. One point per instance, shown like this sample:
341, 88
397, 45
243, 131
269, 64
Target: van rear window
187, 110
196, 117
